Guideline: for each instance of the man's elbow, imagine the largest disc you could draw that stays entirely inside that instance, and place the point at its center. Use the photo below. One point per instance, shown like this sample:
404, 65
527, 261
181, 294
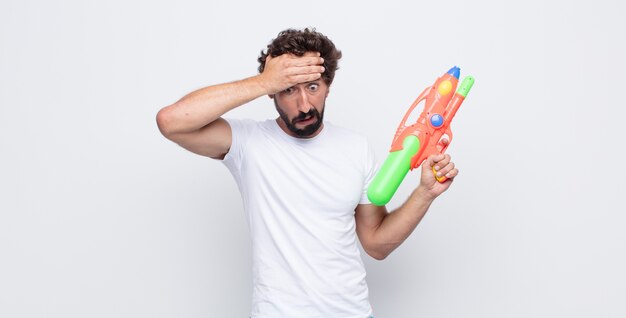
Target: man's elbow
164, 122
378, 255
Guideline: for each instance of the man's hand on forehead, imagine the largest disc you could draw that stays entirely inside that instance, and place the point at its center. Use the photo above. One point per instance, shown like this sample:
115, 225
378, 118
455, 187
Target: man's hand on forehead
308, 58
287, 70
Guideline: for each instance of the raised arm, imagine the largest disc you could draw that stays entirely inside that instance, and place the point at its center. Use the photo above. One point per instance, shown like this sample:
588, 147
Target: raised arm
381, 232
194, 122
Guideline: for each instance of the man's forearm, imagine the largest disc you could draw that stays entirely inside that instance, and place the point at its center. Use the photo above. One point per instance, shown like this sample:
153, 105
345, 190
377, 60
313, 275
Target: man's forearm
397, 225
203, 106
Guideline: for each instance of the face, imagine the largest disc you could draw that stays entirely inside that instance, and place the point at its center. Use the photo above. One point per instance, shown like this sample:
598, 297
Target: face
301, 108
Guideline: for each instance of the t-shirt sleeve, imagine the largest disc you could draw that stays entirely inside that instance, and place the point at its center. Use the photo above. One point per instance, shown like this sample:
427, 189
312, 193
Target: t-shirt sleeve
371, 167
241, 130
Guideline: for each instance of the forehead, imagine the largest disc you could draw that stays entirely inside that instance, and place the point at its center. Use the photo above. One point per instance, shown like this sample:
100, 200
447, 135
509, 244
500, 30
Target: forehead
318, 81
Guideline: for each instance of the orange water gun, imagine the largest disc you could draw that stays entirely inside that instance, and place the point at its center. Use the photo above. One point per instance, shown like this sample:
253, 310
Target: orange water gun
413, 144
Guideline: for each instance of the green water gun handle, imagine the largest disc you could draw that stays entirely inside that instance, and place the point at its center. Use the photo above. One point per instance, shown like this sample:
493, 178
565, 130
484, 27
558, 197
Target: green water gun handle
393, 171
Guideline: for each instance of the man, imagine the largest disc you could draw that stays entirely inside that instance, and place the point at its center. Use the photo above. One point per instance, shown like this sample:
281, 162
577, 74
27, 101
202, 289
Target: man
303, 181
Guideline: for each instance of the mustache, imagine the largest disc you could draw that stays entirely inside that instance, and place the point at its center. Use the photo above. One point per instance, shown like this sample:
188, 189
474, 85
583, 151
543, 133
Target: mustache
311, 112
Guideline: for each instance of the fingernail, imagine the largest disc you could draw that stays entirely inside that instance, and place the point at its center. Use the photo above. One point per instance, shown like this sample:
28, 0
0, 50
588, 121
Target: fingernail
439, 174
437, 168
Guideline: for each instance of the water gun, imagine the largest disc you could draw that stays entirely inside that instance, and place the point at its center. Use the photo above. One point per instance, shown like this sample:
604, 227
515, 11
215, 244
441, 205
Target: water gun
413, 144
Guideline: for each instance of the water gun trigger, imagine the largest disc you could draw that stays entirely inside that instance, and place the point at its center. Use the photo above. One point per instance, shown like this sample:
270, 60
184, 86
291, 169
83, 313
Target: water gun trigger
441, 145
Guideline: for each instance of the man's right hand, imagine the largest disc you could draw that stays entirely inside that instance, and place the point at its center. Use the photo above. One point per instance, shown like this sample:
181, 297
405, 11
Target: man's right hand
287, 70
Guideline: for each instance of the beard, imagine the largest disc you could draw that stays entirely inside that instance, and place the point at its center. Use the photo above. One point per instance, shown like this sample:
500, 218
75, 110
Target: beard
308, 130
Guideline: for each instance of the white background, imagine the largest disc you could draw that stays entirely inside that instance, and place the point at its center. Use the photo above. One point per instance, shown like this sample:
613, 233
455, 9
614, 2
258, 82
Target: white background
100, 216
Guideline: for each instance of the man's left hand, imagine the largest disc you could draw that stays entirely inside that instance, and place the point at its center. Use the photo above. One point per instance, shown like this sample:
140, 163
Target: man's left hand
444, 167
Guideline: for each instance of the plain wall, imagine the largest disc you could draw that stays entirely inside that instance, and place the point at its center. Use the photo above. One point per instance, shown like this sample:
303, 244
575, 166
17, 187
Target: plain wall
100, 216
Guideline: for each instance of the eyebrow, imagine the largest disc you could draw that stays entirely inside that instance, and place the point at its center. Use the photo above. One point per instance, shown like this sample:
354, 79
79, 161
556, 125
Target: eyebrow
317, 81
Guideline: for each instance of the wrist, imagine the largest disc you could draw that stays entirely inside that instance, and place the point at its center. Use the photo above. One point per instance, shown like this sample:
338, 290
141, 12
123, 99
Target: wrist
425, 194
262, 84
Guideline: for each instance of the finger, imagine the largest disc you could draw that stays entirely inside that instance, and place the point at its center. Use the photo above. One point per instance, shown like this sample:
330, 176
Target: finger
432, 159
307, 61
444, 141
438, 164
305, 70
452, 173
305, 78
308, 58
311, 53
445, 170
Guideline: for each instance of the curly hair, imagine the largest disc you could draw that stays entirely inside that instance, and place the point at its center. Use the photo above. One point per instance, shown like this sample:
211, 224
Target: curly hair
298, 42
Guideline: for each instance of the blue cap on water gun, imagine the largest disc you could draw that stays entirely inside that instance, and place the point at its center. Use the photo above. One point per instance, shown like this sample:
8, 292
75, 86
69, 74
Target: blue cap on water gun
455, 71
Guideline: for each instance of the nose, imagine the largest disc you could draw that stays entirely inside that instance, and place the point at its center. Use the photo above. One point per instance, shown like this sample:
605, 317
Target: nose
303, 102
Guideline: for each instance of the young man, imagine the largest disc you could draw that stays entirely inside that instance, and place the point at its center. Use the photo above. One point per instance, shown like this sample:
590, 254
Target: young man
303, 181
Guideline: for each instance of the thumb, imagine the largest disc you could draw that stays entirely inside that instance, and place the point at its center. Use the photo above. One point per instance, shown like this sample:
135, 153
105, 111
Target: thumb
268, 58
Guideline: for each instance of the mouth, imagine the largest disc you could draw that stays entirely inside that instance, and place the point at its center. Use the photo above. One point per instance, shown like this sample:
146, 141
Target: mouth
306, 121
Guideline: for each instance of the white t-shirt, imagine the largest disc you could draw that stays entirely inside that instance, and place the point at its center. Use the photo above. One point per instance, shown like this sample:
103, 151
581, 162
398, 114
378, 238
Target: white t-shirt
299, 197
